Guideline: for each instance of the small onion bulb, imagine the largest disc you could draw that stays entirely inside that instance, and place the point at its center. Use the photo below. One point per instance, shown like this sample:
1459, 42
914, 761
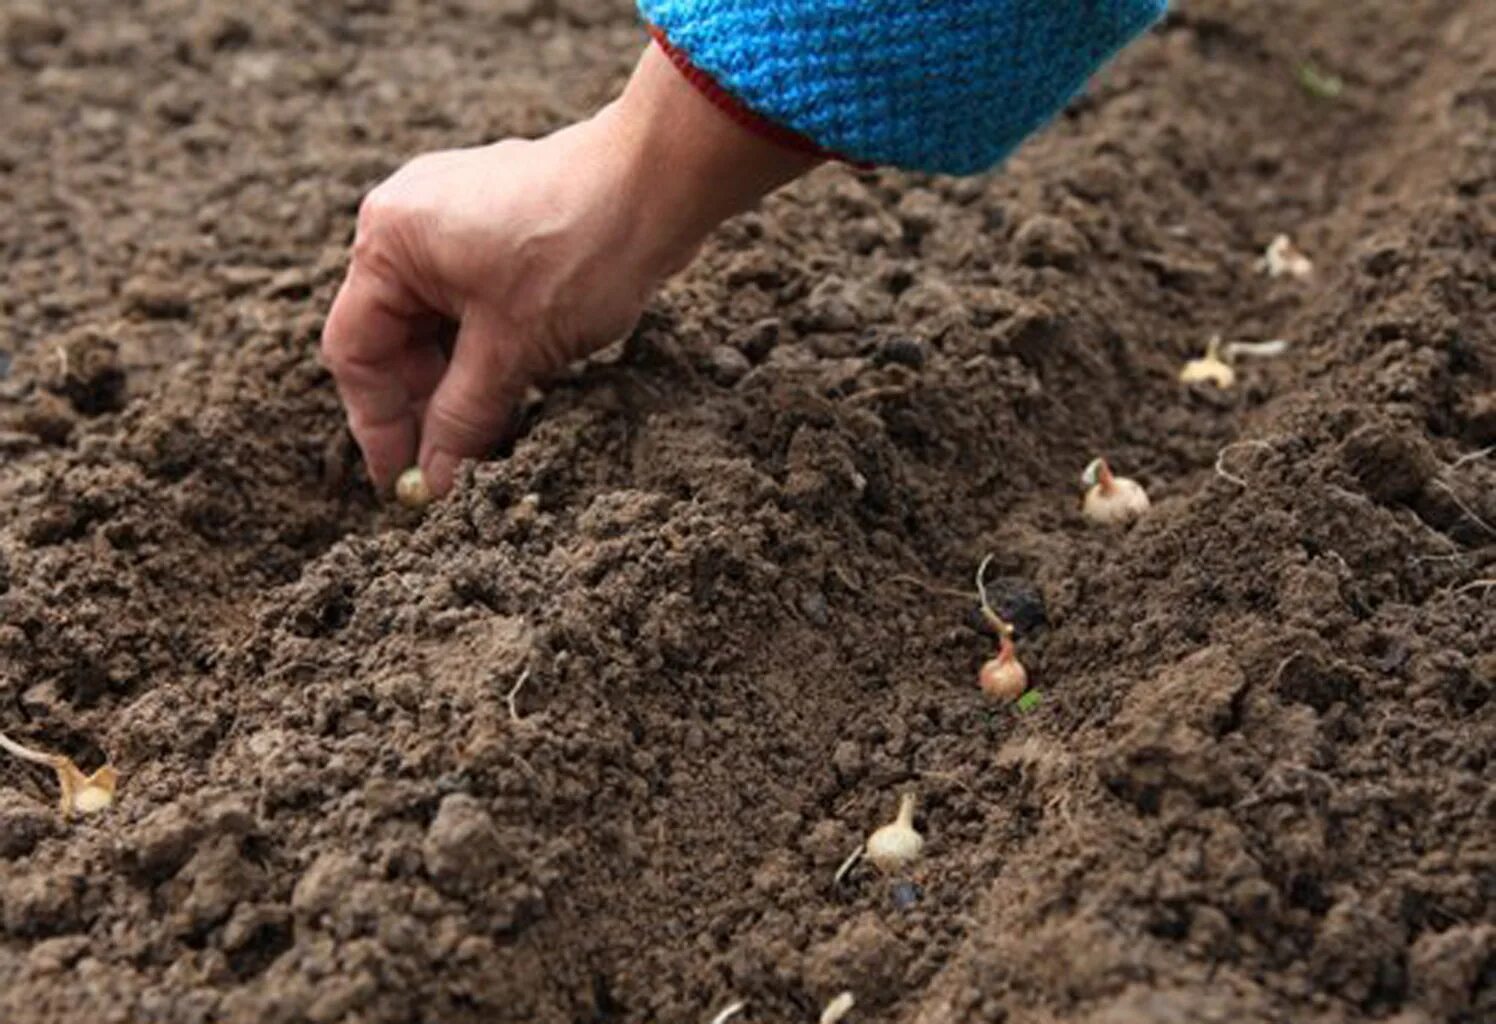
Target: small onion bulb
1111, 500
411, 490
1004, 677
1283, 259
896, 844
1209, 368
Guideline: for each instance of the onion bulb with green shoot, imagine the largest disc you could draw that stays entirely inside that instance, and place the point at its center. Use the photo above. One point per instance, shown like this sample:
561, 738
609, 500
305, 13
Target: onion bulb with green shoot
897, 844
1003, 676
411, 490
81, 794
1111, 500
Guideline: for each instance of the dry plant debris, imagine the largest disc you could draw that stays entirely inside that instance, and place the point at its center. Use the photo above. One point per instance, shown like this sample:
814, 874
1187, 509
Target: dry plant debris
80, 794
1283, 259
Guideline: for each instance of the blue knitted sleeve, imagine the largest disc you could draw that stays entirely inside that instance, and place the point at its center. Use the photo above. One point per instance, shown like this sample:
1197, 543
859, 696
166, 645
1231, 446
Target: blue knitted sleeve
939, 85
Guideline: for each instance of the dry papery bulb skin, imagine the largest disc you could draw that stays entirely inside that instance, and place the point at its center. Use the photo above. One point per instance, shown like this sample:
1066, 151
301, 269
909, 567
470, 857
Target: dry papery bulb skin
411, 490
1111, 500
80, 794
1004, 676
1283, 259
1210, 368
896, 845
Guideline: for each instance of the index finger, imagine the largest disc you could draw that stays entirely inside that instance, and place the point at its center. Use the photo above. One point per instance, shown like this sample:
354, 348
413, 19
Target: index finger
368, 334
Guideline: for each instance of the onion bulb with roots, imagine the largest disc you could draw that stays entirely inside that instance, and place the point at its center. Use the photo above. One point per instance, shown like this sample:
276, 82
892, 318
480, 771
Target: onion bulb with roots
1111, 500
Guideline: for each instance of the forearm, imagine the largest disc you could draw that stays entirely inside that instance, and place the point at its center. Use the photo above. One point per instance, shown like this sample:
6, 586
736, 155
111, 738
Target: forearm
688, 166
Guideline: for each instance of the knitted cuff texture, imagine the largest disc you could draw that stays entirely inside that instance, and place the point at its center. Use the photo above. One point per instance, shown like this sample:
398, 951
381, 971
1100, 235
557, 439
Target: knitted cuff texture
935, 85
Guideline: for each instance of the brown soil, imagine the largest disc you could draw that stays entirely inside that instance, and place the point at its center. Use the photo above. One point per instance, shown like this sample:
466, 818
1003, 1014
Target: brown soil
1259, 786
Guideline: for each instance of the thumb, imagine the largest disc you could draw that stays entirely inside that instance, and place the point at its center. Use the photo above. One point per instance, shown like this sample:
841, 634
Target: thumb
471, 406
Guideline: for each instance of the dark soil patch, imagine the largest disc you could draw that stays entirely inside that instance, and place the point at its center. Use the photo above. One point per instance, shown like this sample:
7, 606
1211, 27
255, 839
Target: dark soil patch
1259, 786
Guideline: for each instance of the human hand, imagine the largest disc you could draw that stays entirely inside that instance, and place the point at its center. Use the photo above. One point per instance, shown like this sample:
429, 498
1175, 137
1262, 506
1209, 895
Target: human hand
541, 252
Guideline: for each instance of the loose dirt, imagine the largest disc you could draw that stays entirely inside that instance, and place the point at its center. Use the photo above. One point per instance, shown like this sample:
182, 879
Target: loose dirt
1258, 786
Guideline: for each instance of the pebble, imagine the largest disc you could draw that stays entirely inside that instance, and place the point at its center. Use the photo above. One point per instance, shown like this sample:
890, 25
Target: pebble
904, 351
905, 895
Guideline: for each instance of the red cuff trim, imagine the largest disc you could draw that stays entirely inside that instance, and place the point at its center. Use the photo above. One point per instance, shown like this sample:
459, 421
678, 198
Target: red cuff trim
735, 108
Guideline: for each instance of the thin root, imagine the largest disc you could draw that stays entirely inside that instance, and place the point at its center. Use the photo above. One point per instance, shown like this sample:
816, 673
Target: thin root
729, 1012
1469, 457
1460, 504
997, 622
1002, 625
848, 864
931, 588
511, 698
1220, 463
1483, 585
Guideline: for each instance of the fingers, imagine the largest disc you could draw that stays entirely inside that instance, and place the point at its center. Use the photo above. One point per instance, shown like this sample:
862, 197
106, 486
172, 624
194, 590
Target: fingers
470, 408
369, 347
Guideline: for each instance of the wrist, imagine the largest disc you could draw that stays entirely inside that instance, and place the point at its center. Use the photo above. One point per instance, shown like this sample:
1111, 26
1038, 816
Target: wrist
686, 164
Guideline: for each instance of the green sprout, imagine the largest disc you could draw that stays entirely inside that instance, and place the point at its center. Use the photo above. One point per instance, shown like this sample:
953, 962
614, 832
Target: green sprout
1320, 84
1030, 700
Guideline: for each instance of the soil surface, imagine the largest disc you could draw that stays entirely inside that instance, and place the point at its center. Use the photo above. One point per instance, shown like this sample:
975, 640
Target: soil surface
728, 559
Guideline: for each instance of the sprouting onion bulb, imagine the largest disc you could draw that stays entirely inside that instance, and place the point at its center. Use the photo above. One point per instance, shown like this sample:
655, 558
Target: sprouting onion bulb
1004, 677
411, 490
1111, 500
897, 844
1283, 259
1210, 368
81, 794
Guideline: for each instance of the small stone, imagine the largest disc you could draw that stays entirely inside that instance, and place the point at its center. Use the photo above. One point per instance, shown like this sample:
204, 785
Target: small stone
902, 350
726, 365
905, 895
1045, 241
